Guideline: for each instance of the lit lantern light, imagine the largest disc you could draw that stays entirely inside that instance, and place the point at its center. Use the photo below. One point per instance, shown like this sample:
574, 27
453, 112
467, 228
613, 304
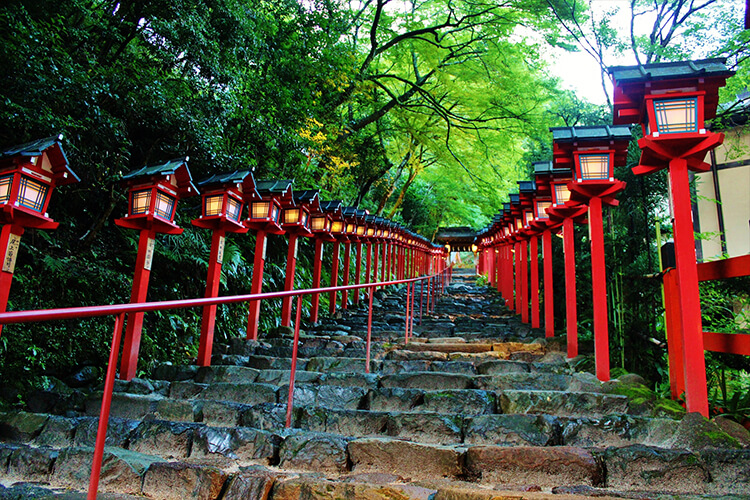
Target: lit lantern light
519, 223
593, 166
320, 223
266, 211
540, 208
560, 193
528, 216
675, 115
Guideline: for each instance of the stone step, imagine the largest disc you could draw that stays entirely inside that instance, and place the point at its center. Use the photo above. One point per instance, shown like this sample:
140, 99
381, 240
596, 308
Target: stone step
562, 403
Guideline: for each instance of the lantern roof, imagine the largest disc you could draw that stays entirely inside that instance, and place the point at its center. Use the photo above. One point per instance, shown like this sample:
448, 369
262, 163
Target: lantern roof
332, 207
631, 83
591, 134
460, 238
515, 198
309, 197
371, 219
177, 167
49, 146
243, 177
281, 188
527, 187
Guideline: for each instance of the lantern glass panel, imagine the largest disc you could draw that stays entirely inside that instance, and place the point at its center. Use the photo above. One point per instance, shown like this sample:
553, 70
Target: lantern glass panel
32, 193
528, 216
361, 230
519, 224
6, 183
165, 205
351, 228
675, 116
234, 209
275, 212
337, 226
140, 201
319, 223
594, 166
291, 215
561, 193
304, 219
259, 209
370, 231
212, 205
541, 209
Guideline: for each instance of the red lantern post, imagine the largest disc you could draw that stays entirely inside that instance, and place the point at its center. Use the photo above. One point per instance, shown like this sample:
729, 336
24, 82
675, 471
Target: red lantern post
153, 193
321, 228
264, 218
672, 101
28, 175
594, 151
221, 211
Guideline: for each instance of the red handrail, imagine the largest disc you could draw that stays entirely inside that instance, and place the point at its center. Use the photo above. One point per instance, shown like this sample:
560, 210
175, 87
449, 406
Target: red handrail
119, 310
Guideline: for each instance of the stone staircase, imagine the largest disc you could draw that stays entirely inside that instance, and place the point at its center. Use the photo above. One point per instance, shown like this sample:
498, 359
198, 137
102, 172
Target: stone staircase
476, 407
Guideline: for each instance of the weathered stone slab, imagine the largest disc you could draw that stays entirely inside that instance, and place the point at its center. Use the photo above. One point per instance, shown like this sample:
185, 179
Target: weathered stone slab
414, 365
394, 399
122, 470
326, 396
464, 367
616, 430
30, 463
264, 416
118, 431
569, 404
366, 380
164, 439
58, 432
314, 451
178, 481
235, 442
129, 406
174, 410
512, 430
498, 366
280, 377
186, 389
226, 373
729, 471
218, 413
409, 459
543, 466
170, 372
356, 423
464, 401
21, 426
427, 380
406, 355
448, 348
252, 483
641, 467
274, 363
311, 488
249, 394
431, 428
340, 364
524, 381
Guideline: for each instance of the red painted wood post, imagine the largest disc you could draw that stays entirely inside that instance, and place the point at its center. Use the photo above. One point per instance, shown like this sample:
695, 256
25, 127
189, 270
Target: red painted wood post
131, 347
208, 321
696, 392
334, 278
549, 309
347, 265
674, 334
499, 271
599, 289
317, 267
291, 268
534, 282
357, 273
384, 262
571, 313
517, 255
293, 371
369, 328
368, 267
375, 258
259, 262
10, 240
524, 281
400, 263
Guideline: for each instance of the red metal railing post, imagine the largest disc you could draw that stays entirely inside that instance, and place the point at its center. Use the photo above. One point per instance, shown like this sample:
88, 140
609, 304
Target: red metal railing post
334, 278
317, 265
384, 264
599, 289
375, 255
411, 315
129, 361
421, 300
259, 262
549, 311
696, 391
357, 272
291, 269
368, 267
292, 372
347, 265
208, 320
369, 328
571, 313
101, 432
406, 329
534, 282
518, 276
